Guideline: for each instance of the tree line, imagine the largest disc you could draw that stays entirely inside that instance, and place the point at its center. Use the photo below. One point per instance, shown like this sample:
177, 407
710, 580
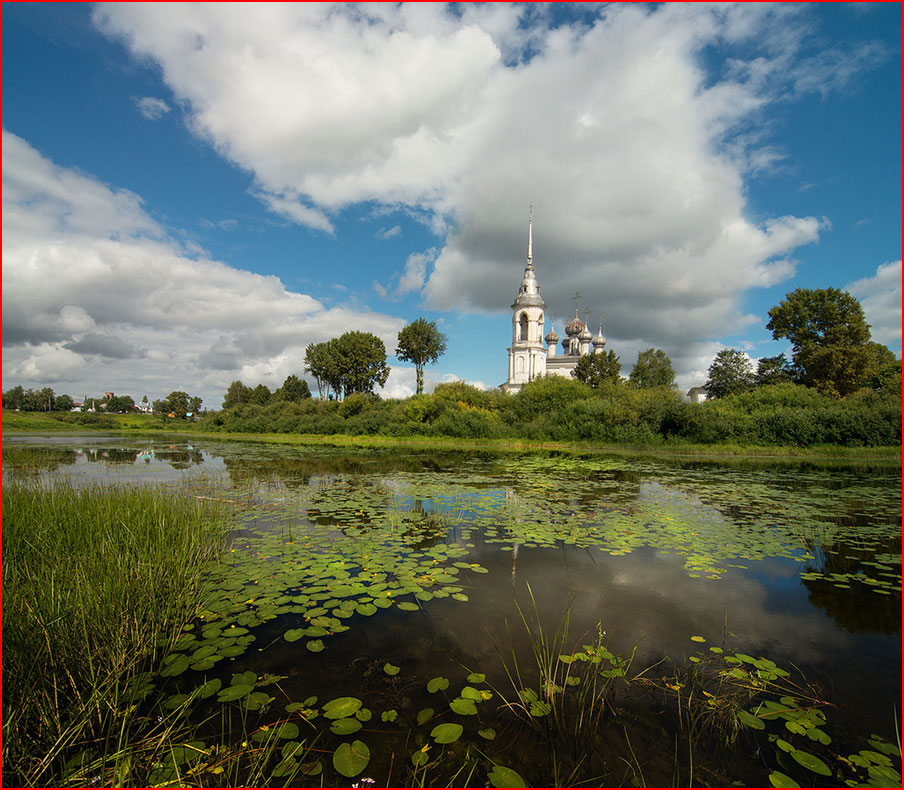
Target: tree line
45, 400
832, 350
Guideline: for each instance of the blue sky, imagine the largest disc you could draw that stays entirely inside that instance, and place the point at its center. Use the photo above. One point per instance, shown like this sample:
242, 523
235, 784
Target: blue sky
192, 194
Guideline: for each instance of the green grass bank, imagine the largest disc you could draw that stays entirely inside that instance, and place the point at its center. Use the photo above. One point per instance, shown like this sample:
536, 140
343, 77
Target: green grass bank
97, 585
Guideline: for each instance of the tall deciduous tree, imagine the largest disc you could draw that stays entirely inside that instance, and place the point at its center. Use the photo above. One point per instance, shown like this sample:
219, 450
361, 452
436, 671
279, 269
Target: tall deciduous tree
319, 362
773, 370
652, 369
360, 363
260, 395
730, 372
421, 343
293, 389
236, 394
597, 370
829, 337
177, 403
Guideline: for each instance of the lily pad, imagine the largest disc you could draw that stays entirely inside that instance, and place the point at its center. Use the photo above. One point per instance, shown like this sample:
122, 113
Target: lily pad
235, 692
488, 734
446, 733
345, 726
505, 777
464, 707
341, 707
424, 715
315, 645
811, 762
390, 669
437, 684
350, 759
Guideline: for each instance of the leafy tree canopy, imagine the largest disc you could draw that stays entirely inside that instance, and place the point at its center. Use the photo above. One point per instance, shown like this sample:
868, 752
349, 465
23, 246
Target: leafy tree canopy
829, 337
293, 389
260, 395
774, 370
236, 394
320, 363
177, 403
730, 372
598, 370
360, 363
652, 369
421, 343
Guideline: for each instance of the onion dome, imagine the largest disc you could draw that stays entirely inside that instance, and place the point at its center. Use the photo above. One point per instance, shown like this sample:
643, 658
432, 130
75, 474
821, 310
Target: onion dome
574, 327
551, 337
585, 335
598, 340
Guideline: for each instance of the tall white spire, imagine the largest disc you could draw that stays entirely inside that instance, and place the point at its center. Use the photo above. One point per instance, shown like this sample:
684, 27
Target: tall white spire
530, 238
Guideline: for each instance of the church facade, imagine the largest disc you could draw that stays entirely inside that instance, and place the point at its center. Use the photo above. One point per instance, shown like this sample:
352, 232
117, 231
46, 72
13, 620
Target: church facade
532, 354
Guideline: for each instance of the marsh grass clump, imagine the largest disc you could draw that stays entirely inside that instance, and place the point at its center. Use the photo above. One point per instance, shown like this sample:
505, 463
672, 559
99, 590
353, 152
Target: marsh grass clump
97, 583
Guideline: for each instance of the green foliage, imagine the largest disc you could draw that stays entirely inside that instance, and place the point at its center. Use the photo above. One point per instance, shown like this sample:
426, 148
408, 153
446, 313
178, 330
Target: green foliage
62, 403
546, 395
236, 394
260, 395
731, 372
319, 362
773, 370
460, 392
177, 403
293, 389
598, 370
421, 343
829, 336
652, 369
96, 582
120, 404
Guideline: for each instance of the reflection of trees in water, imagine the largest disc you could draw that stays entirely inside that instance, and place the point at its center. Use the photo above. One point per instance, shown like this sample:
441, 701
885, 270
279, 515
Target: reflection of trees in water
36, 459
109, 455
295, 468
857, 609
179, 459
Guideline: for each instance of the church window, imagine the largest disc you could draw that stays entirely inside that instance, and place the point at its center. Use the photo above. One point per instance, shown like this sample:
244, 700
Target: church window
522, 327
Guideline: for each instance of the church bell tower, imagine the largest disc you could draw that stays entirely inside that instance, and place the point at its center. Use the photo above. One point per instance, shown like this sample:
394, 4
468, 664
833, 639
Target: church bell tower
527, 355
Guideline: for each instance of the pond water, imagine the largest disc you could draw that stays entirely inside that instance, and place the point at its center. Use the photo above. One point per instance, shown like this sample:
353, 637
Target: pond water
429, 591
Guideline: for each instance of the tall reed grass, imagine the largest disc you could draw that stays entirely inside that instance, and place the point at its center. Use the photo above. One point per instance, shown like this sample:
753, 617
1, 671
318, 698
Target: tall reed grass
97, 583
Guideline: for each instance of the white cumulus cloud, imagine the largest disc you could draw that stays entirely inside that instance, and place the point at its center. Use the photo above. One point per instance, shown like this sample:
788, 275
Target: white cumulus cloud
96, 294
632, 154
880, 297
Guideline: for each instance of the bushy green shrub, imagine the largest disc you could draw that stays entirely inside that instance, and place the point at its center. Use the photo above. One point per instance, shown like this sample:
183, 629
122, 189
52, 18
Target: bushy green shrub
550, 394
459, 392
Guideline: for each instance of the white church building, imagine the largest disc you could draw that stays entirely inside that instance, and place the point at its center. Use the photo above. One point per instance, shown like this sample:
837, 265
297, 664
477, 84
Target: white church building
532, 355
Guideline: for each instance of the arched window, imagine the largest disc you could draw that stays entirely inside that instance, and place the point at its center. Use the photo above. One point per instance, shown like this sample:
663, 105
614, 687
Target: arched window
522, 327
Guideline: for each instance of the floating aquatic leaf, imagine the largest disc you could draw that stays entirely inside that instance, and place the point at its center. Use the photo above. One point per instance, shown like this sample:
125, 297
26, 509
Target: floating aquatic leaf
778, 779
437, 684
505, 777
292, 749
234, 692
367, 609
464, 707
476, 677
488, 734
471, 693
389, 715
539, 708
424, 715
419, 758
698, 639
363, 714
175, 701
244, 677
345, 726
315, 646
390, 669
177, 666
350, 759
749, 720
446, 733
210, 688
460, 596
341, 707
408, 606
811, 762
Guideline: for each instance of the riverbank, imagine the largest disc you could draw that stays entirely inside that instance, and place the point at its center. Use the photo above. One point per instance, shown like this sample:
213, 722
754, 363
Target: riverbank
25, 423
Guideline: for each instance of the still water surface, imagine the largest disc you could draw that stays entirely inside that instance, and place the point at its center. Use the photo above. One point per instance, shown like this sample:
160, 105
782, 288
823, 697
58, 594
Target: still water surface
344, 561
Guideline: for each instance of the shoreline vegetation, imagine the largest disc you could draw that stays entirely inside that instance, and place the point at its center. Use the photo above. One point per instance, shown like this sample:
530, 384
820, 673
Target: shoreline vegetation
777, 422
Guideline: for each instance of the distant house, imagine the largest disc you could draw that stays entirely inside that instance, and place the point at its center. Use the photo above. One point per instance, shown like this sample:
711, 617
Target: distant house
697, 394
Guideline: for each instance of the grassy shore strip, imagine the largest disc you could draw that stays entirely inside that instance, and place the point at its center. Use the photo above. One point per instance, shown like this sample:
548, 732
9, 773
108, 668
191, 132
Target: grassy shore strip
674, 450
97, 585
